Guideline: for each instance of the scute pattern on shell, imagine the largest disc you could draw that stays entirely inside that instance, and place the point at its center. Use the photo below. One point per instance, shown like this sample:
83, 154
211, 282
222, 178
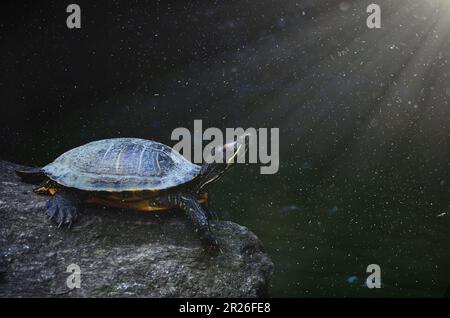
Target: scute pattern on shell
121, 164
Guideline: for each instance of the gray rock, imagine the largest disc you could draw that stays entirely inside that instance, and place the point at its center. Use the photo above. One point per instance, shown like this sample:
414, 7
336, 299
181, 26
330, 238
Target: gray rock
120, 253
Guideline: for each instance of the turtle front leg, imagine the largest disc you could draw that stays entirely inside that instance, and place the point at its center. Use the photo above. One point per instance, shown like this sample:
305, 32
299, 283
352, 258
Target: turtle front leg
198, 216
63, 207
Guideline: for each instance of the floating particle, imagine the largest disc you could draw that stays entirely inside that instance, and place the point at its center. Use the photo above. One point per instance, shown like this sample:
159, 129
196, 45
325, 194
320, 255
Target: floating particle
352, 279
333, 210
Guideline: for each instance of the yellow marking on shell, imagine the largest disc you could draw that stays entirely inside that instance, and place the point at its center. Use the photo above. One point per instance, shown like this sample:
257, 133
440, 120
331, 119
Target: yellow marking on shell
117, 163
131, 196
107, 151
157, 163
111, 190
139, 205
141, 157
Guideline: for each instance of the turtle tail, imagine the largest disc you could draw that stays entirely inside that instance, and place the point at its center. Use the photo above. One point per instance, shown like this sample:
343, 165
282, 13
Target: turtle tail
32, 175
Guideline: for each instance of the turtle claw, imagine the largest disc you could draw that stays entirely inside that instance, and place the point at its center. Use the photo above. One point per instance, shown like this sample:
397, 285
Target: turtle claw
210, 241
213, 247
70, 217
61, 210
51, 212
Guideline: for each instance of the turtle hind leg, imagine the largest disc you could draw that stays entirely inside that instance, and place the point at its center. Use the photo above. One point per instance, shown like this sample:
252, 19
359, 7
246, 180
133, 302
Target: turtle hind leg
63, 208
31, 175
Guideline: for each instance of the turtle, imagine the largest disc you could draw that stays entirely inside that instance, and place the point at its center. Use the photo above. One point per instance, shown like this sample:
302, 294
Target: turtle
132, 173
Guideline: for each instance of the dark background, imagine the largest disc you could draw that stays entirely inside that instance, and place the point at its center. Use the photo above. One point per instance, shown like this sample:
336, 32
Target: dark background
363, 117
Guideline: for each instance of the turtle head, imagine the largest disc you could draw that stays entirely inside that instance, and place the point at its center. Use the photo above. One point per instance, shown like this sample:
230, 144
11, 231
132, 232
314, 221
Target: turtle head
222, 159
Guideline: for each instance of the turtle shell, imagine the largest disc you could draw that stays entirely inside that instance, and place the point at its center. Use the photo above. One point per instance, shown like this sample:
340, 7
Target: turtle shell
121, 164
